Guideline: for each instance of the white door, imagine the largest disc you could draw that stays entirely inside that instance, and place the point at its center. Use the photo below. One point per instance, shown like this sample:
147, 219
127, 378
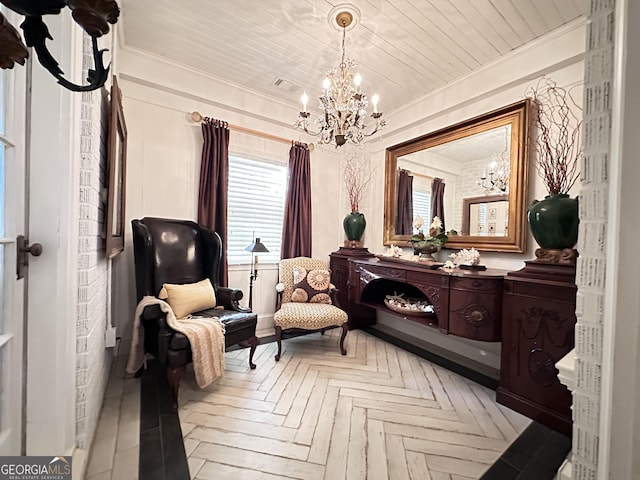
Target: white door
12, 223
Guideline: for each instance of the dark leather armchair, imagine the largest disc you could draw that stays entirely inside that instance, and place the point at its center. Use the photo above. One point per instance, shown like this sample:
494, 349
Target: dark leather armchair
180, 252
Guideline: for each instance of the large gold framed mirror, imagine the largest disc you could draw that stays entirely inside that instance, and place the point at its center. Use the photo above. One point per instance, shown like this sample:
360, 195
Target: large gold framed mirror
483, 165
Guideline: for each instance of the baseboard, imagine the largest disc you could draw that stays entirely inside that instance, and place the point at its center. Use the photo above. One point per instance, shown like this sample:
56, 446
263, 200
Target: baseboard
122, 348
566, 470
265, 332
265, 325
78, 463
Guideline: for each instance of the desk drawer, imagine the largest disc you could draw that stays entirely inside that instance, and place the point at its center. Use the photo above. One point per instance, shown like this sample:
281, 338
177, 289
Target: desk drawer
477, 284
374, 271
428, 277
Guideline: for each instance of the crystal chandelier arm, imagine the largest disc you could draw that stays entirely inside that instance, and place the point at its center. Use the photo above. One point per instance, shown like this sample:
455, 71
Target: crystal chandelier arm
302, 123
380, 122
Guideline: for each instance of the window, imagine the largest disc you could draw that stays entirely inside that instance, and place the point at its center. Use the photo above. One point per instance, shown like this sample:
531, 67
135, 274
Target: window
422, 199
422, 206
257, 189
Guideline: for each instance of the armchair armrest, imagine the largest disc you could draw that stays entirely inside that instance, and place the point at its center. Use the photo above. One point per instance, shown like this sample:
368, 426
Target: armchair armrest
153, 314
229, 298
279, 290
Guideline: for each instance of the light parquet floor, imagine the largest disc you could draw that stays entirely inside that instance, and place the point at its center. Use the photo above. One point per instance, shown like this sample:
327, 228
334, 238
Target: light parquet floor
377, 413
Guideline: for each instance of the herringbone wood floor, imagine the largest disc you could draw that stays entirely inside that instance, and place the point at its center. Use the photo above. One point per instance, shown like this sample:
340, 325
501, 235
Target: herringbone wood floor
377, 413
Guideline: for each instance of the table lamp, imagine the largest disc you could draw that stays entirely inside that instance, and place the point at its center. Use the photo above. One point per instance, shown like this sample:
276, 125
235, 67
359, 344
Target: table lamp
254, 247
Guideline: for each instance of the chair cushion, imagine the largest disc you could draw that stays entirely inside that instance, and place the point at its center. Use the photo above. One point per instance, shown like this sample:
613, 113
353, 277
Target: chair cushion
188, 298
233, 322
231, 319
311, 286
309, 316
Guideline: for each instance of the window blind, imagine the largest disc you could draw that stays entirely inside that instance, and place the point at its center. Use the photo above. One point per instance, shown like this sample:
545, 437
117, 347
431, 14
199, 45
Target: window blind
257, 191
422, 207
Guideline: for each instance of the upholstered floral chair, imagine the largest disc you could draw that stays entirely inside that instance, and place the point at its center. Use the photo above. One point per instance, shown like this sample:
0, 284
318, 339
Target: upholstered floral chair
306, 300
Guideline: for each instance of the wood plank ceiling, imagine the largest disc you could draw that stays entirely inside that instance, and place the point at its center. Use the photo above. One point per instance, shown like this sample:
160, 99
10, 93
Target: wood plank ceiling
403, 48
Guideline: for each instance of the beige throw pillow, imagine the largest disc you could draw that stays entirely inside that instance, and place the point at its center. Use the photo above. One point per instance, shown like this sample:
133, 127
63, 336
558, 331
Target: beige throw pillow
189, 297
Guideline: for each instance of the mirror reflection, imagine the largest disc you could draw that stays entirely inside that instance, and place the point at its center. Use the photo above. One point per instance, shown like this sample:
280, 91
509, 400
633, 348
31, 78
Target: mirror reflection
450, 174
471, 175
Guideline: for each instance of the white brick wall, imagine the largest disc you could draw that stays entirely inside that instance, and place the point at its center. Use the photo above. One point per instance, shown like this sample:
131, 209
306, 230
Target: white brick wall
93, 361
590, 275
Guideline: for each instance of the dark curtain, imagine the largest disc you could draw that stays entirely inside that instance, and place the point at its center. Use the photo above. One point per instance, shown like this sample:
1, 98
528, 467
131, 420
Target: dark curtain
214, 182
404, 205
296, 228
437, 200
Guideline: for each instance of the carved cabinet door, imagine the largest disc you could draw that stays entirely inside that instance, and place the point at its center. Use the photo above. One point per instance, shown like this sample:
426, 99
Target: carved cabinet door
538, 330
475, 308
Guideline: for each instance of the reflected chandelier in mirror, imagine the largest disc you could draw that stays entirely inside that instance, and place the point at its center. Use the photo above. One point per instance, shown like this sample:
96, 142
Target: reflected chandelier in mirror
473, 175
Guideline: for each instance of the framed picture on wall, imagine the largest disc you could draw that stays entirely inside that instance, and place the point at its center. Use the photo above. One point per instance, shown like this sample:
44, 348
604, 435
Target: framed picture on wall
116, 175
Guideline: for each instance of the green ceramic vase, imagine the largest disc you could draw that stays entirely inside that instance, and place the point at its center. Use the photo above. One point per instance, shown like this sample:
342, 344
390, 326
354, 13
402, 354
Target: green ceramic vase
554, 221
354, 224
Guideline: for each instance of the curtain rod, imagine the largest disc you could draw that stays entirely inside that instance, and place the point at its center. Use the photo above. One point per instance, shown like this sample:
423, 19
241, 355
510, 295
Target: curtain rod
419, 174
197, 117
423, 175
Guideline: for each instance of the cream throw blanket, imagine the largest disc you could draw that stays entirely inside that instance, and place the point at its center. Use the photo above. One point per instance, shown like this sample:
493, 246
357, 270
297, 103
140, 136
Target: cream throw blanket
205, 334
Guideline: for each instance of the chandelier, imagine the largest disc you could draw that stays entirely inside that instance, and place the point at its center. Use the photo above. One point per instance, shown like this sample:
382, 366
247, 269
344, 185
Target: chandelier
496, 180
343, 104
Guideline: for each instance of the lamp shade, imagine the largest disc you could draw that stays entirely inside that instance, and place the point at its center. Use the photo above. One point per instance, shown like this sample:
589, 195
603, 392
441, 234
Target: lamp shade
256, 246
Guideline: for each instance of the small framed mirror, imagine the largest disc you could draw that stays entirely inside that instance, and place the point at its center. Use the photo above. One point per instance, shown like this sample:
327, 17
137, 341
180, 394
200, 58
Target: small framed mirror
474, 174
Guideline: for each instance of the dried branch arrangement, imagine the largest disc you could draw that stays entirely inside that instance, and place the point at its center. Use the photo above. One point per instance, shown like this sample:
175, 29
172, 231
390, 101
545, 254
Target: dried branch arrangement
556, 135
357, 174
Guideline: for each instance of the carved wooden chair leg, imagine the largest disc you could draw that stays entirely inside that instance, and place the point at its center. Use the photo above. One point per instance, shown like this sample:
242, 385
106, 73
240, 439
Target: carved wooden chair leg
343, 351
279, 341
173, 376
253, 342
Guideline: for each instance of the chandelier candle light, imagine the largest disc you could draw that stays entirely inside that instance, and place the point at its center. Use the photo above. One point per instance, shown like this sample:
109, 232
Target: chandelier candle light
343, 104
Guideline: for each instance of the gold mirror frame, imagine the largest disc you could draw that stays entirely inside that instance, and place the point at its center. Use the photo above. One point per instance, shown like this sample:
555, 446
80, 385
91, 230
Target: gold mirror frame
516, 115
